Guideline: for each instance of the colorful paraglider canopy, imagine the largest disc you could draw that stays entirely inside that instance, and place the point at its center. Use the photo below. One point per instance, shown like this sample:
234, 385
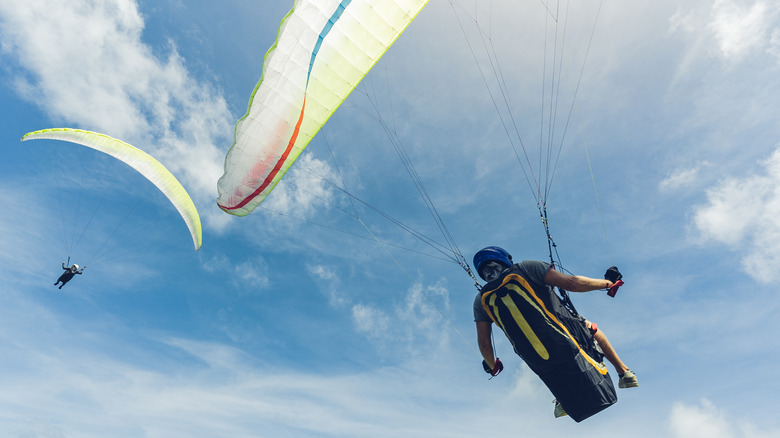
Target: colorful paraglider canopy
324, 48
139, 160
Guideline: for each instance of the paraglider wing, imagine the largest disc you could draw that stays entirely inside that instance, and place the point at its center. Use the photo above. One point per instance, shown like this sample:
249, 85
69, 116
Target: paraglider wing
324, 48
139, 160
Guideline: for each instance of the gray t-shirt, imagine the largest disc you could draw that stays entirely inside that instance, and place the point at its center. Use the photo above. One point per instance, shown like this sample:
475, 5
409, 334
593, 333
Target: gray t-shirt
533, 271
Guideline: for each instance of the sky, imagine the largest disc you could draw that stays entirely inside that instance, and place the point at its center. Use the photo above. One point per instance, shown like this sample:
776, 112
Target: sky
316, 316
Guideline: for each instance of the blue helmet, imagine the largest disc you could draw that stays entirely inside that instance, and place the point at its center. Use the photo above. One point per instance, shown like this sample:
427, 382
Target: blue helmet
491, 253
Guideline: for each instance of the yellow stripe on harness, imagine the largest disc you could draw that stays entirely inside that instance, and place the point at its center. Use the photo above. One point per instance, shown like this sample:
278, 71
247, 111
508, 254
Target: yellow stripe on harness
526, 328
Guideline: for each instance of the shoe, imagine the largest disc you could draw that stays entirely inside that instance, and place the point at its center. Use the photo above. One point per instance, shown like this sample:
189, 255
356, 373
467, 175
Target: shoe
559, 412
628, 380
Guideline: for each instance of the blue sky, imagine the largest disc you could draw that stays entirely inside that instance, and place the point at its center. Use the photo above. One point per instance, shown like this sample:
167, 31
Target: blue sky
293, 321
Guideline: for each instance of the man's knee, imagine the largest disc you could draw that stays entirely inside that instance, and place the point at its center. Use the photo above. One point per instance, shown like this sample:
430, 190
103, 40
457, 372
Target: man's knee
592, 327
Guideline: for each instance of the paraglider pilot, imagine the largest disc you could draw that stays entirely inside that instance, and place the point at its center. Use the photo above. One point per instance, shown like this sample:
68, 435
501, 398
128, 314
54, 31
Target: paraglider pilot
554, 341
70, 271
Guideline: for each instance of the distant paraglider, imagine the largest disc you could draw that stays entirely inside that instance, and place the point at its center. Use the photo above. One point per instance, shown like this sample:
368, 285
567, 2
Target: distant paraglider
70, 272
323, 50
139, 160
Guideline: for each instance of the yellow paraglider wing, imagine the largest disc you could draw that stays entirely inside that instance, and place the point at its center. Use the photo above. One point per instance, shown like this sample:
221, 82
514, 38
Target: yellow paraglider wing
324, 48
139, 160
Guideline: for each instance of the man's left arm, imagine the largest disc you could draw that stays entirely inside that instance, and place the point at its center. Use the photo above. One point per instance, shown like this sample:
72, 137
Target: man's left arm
484, 330
490, 363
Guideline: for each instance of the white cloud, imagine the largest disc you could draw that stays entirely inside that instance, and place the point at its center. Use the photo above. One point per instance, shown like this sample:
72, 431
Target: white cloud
252, 273
743, 212
21, 230
707, 421
682, 21
730, 31
682, 178
371, 321
217, 356
323, 272
774, 44
423, 306
84, 63
304, 191
75, 382
248, 275
416, 321
337, 296
699, 421
738, 30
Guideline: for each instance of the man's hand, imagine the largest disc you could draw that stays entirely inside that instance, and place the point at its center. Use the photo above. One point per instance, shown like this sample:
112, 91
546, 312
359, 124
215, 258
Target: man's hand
496, 369
613, 274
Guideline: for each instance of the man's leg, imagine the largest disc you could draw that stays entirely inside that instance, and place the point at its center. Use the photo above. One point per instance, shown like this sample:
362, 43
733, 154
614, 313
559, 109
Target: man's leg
610, 352
627, 379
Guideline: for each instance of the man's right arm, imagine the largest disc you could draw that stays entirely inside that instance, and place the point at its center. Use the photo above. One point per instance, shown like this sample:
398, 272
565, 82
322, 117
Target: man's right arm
575, 283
